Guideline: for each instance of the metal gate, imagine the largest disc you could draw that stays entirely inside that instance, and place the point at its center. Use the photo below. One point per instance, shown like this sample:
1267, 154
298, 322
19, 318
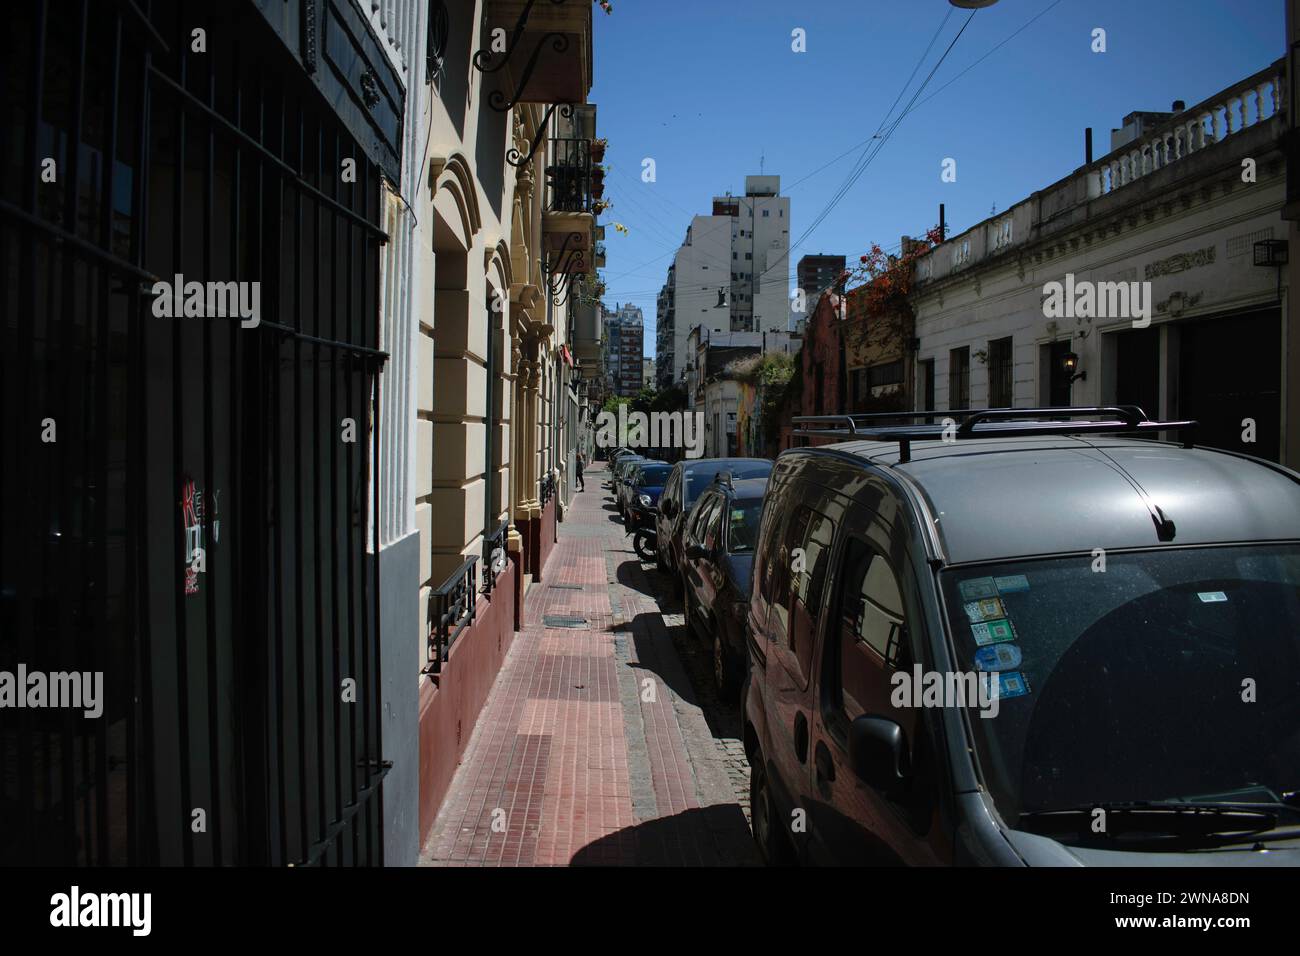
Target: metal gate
186, 497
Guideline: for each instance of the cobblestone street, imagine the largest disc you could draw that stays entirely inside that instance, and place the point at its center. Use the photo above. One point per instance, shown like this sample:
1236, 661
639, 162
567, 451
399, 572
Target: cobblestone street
602, 741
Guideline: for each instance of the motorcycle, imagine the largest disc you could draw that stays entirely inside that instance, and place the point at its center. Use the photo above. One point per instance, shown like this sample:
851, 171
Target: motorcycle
646, 542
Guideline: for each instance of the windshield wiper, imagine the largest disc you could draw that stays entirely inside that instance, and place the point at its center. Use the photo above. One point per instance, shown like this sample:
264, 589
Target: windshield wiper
1157, 820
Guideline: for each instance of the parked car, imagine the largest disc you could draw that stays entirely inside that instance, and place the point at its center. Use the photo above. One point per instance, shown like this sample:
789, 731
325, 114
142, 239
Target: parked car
619, 472
687, 482
614, 457
641, 493
1122, 595
718, 551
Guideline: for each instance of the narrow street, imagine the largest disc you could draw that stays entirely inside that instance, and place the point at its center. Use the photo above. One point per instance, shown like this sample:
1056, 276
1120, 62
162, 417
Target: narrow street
602, 741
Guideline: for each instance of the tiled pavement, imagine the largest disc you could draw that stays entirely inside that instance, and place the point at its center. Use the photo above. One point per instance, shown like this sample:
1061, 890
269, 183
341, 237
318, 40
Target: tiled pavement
594, 746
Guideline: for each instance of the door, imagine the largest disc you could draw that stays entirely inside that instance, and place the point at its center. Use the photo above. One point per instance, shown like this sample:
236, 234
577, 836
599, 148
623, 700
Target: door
692, 568
1229, 373
798, 575
867, 641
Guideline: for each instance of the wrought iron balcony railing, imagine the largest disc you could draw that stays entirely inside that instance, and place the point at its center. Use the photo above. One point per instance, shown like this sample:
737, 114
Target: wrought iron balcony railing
451, 610
568, 176
494, 556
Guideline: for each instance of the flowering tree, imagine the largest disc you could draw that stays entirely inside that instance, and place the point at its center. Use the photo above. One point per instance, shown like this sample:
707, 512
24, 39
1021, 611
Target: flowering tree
880, 321
884, 282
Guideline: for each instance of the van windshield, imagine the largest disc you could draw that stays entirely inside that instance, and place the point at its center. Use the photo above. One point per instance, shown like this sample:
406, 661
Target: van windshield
1160, 675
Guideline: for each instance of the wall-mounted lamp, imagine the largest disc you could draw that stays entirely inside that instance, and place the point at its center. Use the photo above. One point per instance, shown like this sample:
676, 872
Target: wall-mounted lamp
1070, 365
1273, 253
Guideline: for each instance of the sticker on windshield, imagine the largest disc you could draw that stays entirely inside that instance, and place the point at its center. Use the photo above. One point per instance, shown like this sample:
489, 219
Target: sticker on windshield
1211, 597
977, 588
992, 632
1012, 685
988, 609
1012, 583
998, 657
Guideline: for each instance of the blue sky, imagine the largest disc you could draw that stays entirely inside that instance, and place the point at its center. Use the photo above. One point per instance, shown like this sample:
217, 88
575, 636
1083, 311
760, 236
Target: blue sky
707, 87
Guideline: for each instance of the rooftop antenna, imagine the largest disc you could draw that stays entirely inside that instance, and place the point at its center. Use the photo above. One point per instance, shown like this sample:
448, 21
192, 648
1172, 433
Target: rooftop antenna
761, 160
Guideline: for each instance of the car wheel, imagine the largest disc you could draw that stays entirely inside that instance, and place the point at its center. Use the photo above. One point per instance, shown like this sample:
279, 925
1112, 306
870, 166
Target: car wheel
772, 844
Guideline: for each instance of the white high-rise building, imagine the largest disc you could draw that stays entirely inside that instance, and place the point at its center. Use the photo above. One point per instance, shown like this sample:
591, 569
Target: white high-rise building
730, 275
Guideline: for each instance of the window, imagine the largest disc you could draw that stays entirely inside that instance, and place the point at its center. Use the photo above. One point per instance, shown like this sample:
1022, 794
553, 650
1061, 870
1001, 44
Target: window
765, 213
890, 373
1000, 374
742, 526
959, 378
870, 628
749, 255
797, 598
713, 523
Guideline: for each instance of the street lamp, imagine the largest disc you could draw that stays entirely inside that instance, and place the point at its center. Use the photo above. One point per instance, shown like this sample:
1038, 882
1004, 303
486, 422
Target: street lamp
972, 4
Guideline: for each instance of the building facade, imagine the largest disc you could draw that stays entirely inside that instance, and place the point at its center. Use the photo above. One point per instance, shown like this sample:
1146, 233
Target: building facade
506, 190
1175, 232
624, 334
731, 274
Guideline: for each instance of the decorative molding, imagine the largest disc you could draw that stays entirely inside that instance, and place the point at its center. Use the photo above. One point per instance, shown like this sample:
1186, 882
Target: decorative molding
1181, 262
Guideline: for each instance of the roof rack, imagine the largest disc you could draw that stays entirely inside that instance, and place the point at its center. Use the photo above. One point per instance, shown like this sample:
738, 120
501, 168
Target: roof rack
986, 423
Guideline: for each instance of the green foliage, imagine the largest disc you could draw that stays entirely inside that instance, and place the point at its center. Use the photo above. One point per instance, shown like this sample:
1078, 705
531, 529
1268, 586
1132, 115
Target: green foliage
612, 403
669, 400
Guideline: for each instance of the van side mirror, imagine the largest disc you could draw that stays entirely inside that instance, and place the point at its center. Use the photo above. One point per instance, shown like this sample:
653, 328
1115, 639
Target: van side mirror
876, 751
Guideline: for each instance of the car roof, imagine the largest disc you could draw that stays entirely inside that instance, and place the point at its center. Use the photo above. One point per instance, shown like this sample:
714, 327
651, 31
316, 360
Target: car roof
1002, 498
740, 489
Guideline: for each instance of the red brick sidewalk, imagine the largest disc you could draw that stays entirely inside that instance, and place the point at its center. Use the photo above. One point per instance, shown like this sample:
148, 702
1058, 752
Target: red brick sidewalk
591, 749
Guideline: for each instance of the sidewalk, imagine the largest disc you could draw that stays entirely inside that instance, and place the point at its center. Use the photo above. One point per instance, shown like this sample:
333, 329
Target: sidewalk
593, 747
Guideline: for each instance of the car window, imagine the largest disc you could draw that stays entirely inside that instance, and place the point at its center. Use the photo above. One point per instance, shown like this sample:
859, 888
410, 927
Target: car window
654, 475
869, 622
742, 525
699, 518
798, 578
808, 579
713, 523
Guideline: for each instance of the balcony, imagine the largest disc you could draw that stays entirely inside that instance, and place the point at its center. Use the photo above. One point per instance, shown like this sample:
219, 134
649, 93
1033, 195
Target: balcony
567, 221
548, 49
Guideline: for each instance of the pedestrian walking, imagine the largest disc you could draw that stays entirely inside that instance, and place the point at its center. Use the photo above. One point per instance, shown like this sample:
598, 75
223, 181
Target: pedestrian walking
581, 485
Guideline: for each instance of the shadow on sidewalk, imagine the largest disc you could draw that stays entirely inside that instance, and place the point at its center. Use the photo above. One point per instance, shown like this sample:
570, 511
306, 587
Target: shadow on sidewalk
706, 836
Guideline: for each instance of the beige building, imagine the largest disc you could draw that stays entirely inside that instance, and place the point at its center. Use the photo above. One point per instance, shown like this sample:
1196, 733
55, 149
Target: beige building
503, 202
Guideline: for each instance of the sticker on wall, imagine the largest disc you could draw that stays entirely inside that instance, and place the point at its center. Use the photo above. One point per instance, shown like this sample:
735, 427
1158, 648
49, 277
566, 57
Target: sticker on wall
977, 588
197, 515
987, 609
1012, 685
998, 657
993, 632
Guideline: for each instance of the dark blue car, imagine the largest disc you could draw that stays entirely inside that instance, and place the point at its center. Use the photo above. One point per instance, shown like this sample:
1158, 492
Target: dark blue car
641, 494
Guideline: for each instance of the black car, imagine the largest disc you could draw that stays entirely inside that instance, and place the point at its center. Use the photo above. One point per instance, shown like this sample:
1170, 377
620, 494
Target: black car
687, 482
718, 553
1025, 646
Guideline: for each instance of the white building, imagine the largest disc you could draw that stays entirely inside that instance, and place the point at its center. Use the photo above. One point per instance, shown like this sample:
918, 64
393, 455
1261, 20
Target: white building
730, 275
1181, 211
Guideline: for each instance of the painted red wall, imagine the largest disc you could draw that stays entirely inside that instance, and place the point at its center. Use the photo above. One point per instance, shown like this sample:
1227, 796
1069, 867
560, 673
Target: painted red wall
449, 710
